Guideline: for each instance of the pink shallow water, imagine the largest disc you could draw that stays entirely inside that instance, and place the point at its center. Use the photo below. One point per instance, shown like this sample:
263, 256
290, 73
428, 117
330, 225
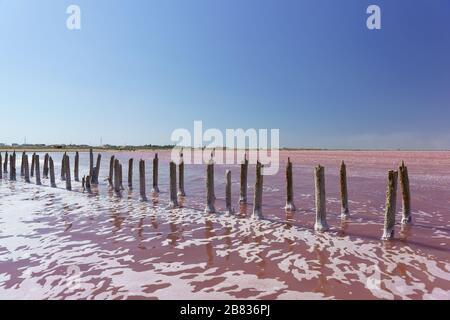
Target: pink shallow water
58, 244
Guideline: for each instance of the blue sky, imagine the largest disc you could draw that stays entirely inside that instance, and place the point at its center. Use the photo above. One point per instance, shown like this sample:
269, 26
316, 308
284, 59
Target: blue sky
137, 70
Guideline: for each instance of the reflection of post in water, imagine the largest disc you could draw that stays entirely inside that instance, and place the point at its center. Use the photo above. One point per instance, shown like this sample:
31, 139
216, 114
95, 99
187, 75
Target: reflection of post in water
228, 240
154, 221
117, 219
289, 219
173, 235
140, 227
260, 254
243, 209
405, 231
322, 278
343, 228
209, 233
288, 225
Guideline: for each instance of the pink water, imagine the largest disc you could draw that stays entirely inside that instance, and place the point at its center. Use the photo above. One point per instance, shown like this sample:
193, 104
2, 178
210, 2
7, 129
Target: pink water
57, 244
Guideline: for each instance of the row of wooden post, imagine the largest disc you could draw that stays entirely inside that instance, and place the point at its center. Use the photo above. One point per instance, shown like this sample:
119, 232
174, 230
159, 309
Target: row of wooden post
116, 182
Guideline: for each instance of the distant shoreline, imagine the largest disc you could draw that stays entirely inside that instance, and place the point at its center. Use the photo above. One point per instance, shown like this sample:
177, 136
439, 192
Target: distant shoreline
85, 148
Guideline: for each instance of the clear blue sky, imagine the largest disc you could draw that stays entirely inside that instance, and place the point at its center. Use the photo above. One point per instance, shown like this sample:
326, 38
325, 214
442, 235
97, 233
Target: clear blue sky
140, 69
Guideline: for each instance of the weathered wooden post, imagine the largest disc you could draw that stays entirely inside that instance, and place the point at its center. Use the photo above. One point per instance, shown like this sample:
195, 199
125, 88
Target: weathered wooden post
5, 164
68, 178
344, 194
142, 180
181, 192
289, 188
321, 210
111, 171
257, 198
37, 170
120, 177
14, 165
45, 170
88, 183
391, 206
22, 165
406, 197
63, 168
26, 168
173, 185
76, 169
10, 167
213, 154
33, 164
243, 189
1, 162
52, 172
155, 174
96, 170
91, 164
228, 206
116, 175
130, 173
210, 198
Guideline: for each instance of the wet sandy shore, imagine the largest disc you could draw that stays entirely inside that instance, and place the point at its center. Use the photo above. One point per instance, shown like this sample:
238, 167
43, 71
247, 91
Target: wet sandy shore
58, 244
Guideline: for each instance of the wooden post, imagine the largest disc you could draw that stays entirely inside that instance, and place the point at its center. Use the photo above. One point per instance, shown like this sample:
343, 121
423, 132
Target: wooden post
68, 178
12, 173
37, 170
88, 183
116, 175
344, 194
1, 162
130, 173
91, 164
5, 165
33, 164
257, 198
289, 188
22, 165
173, 185
96, 170
155, 174
406, 197
12, 167
111, 171
83, 183
228, 207
76, 169
391, 206
210, 199
243, 189
26, 168
63, 169
52, 173
120, 177
142, 180
45, 170
321, 211
181, 192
